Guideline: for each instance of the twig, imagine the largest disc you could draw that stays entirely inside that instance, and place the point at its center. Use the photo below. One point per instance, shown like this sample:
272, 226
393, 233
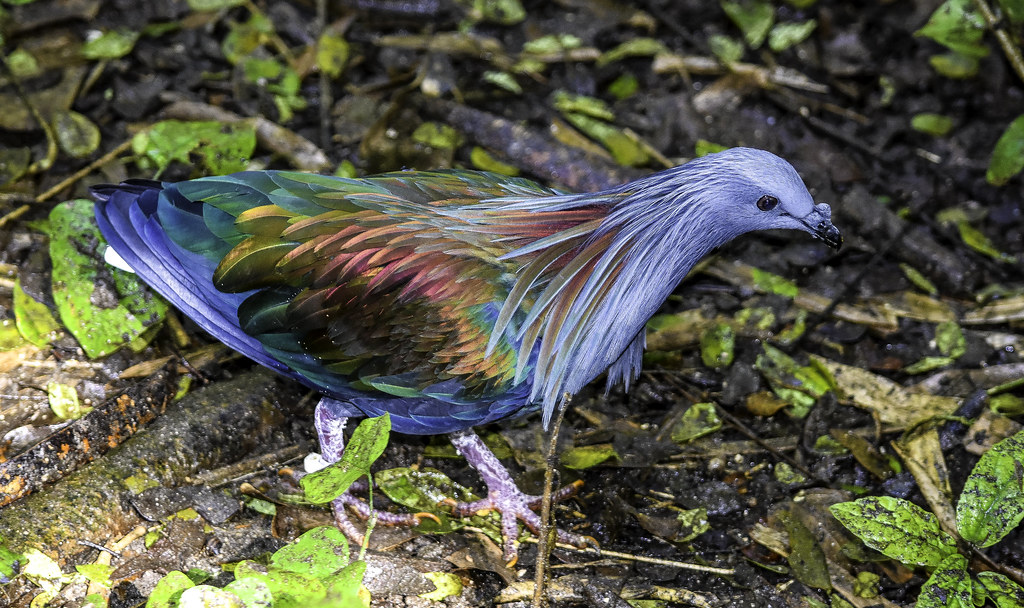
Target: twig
1011, 50
77, 175
641, 559
546, 536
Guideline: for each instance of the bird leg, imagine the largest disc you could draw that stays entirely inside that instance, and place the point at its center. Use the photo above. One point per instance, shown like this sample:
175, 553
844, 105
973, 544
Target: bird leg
330, 426
505, 497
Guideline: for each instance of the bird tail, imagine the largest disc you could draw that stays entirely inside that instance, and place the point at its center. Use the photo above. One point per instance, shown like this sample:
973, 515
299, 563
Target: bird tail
134, 217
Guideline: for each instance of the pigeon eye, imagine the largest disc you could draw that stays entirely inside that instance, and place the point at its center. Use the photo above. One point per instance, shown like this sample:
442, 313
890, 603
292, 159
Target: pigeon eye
767, 202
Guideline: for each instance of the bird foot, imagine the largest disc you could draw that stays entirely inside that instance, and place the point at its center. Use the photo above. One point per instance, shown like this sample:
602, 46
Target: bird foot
363, 510
506, 498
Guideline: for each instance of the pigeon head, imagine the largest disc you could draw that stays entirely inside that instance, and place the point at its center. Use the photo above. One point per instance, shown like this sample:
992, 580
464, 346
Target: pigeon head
756, 190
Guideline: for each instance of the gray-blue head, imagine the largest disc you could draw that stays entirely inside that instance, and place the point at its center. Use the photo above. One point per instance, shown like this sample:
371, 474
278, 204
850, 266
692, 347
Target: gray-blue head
748, 189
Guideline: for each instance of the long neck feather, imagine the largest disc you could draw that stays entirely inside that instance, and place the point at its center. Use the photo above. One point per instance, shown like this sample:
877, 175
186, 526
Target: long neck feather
590, 285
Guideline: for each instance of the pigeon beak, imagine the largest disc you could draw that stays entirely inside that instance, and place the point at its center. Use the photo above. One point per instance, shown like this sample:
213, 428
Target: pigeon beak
819, 223
827, 232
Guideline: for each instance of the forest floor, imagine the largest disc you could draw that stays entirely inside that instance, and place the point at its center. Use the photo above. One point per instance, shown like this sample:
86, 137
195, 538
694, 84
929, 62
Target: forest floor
880, 369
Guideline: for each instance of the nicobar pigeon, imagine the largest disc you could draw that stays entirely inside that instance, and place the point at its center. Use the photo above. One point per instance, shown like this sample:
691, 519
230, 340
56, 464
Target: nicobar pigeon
448, 299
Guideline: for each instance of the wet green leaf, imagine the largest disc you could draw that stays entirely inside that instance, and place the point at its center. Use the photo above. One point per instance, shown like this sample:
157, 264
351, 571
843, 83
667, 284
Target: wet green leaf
1001, 590
754, 18
727, 49
806, 559
692, 523
552, 44
64, 401
317, 553
207, 596
423, 490
213, 5
785, 35
568, 103
1008, 156
718, 345
773, 283
77, 136
345, 587
933, 124
801, 4
23, 64
624, 87
10, 563
927, 364
222, 148
110, 45
958, 27
289, 589
437, 135
260, 506
948, 587
103, 307
950, 340
332, 52
446, 584
955, 65
800, 386
992, 501
586, 456
503, 80
363, 449
918, 279
785, 473
897, 528
96, 573
502, 12
254, 593
168, 590
34, 320
698, 420
624, 149
977, 241
635, 47
483, 160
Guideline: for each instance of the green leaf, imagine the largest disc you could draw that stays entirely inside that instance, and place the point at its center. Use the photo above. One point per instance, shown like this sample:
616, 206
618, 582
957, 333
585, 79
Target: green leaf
213, 5
806, 558
897, 528
332, 52
955, 65
437, 135
503, 80
727, 49
289, 589
698, 420
34, 320
800, 386
773, 283
624, 149
624, 87
103, 307
956, 26
1014, 10
207, 596
950, 340
423, 490
10, 563
568, 103
317, 553
253, 592
96, 573
64, 401
77, 136
918, 279
753, 17
1001, 590
977, 241
446, 584
948, 587
552, 44
363, 449
635, 47
345, 587
110, 45
992, 502
23, 64
785, 35
484, 161
1008, 156
936, 125
220, 147
927, 364
718, 345
586, 456
502, 12
168, 590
